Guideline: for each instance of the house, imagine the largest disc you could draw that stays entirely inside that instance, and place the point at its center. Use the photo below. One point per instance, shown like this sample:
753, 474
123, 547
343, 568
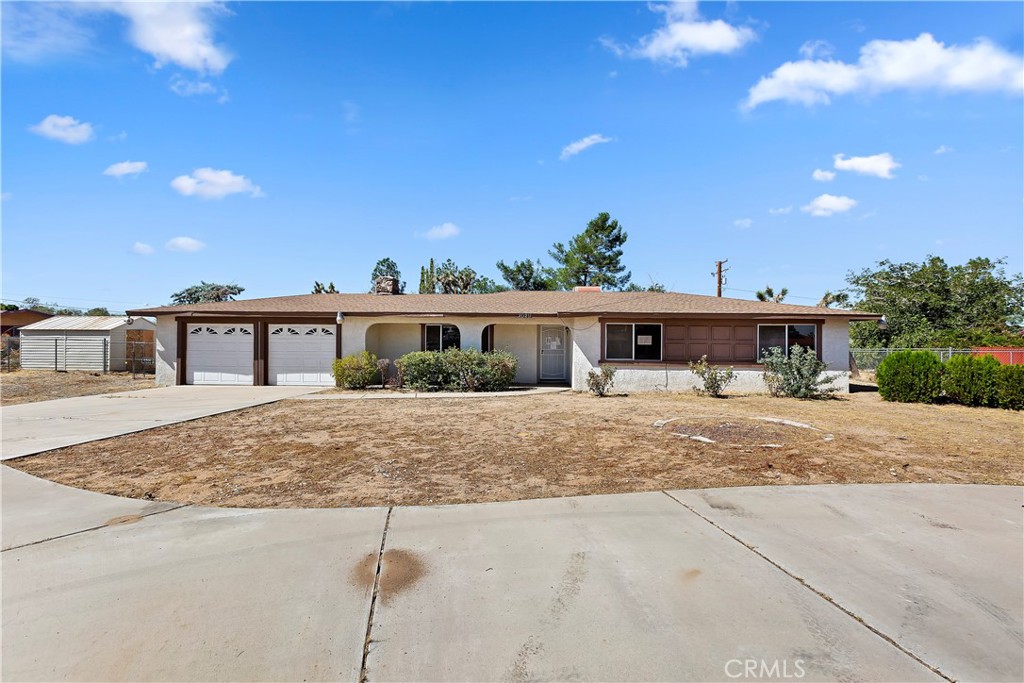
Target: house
558, 337
12, 321
100, 343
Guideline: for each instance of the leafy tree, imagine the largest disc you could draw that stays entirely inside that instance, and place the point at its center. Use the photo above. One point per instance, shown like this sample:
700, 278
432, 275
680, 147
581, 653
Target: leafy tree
454, 280
428, 279
768, 294
318, 288
593, 257
386, 268
934, 304
9, 307
830, 298
527, 276
653, 287
99, 310
485, 285
206, 292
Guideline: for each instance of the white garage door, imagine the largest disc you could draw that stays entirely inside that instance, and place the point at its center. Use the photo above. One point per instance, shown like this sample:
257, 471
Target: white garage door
301, 355
219, 354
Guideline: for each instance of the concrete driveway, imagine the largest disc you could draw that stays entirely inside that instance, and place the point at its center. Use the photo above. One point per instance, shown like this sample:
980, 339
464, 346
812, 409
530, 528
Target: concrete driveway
893, 582
36, 427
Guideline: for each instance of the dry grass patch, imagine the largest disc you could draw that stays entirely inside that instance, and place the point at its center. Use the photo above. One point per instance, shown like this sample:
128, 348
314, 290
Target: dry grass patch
29, 386
336, 453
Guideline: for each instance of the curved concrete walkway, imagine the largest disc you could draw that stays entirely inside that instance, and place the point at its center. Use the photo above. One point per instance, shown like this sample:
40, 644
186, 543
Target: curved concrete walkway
885, 582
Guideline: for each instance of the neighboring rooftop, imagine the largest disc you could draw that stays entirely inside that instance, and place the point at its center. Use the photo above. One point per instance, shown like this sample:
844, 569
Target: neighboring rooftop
78, 322
505, 304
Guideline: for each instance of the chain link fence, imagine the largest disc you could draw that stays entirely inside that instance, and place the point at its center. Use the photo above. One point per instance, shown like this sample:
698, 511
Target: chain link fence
869, 359
92, 354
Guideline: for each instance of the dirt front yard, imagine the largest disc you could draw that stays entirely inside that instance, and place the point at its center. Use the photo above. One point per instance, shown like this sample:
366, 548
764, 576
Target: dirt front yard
331, 453
28, 386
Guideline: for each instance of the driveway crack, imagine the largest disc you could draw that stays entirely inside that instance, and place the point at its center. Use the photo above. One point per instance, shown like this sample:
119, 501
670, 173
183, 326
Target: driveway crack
821, 594
92, 528
373, 598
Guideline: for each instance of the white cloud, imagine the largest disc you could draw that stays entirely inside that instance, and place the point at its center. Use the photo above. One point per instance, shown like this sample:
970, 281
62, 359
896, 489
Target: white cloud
120, 137
823, 176
943, 149
684, 35
187, 88
880, 165
64, 128
144, 249
123, 168
743, 223
178, 33
35, 31
574, 148
817, 49
828, 204
183, 244
884, 65
781, 211
442, 232
211, 183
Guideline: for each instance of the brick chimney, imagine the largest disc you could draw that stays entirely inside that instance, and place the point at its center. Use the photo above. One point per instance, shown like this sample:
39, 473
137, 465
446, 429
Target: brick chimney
586, 289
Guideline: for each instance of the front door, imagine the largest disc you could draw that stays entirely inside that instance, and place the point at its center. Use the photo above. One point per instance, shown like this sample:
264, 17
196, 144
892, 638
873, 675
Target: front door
552, 353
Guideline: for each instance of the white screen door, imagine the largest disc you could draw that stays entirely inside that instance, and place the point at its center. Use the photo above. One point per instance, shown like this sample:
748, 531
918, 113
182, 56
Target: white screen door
552, 353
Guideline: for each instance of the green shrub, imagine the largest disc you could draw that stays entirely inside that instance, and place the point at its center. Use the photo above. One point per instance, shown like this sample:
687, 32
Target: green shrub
798, 376
600, 381
1010, 387
910, 377
357, 371
970, 380
458, 370
714, 378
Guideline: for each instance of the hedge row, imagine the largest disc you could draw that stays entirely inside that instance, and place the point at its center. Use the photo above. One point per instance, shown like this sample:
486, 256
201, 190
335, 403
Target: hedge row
451, 370
457, 370
920, 377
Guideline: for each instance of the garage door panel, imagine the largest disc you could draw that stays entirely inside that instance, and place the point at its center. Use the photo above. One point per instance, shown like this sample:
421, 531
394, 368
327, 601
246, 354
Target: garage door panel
301, 355
220, 354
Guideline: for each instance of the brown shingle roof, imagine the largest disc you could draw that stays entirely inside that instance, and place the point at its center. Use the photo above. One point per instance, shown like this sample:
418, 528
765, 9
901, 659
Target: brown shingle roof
505, 304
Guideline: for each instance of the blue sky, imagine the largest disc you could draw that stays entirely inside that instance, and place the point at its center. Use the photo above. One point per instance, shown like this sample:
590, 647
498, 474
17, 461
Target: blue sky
147, 147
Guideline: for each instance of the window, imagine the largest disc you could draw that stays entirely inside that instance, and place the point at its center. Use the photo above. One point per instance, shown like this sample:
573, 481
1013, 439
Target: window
441, 337
785, 336
632, 341
487, 339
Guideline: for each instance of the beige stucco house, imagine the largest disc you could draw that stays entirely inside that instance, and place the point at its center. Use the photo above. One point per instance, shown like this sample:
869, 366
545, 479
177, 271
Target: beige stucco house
558, 337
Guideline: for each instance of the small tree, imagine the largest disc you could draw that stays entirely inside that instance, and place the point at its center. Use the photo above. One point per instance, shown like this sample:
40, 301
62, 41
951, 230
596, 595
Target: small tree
768, 294
600, 381
454, 280
383, 365
593, 257
318, 288
428, 279
830, 298
206, 292
801, 375
714, 378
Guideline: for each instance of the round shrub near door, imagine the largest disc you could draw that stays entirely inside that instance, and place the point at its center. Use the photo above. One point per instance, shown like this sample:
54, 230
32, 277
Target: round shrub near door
458, 370
910, 377
357, 371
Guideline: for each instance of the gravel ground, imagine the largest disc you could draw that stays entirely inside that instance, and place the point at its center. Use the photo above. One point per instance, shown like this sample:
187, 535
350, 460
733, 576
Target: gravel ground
28, 386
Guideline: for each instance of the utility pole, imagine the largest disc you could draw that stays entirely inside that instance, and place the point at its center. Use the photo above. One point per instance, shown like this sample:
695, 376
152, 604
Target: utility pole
719, 274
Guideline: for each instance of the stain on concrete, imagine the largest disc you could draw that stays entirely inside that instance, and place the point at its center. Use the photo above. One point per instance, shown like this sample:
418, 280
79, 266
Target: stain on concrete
399, 570
365, 571
937, 524
724, 506
688, 576
123, 519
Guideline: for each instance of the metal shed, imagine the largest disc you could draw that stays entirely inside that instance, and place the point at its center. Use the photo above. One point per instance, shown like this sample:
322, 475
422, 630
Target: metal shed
97, 343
